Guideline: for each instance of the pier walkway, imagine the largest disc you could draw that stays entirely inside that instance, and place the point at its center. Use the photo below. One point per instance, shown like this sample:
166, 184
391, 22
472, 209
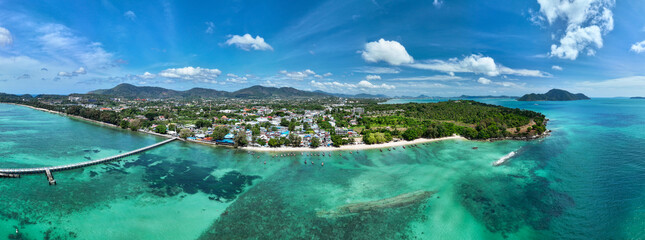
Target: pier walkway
48, 170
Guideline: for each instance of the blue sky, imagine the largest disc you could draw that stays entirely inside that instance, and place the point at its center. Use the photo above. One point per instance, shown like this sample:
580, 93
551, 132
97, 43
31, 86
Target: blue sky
431, 47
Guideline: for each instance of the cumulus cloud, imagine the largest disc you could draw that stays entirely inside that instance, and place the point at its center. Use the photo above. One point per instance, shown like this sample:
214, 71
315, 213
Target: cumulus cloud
484, 81
477, 64
232, 78
195, 74
391, 52
556, 67
210, 27
247, 42
5, 37
79, 71
638, 47
373, 77
367, 84
298, 75
586, 22
327, 74
130, 15
576, 40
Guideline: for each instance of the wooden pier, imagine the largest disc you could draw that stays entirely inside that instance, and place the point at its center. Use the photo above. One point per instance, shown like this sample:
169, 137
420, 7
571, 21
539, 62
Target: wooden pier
16, 172
50, 177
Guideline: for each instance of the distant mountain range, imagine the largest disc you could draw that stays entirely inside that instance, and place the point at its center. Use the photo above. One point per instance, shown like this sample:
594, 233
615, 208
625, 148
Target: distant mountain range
637, 97
130, 91
554, 95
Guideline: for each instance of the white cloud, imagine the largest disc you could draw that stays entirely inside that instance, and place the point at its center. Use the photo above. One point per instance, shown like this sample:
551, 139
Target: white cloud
556, 67
586, 22
79, 71
391, 52
638, 47
522, 72
334, 84
367, 84
437, 3
147, 75
247, 42
373, 77
377, 70
232, 78
484, 81
298, 75
130, 15
364, 84
323, 76
507, 84
476, 64
431, 78
58, 42
195, 74
210, 27
576, 40
5, 37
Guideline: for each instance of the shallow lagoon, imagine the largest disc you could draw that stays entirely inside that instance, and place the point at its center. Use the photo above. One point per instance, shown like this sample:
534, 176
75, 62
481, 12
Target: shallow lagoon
585, 181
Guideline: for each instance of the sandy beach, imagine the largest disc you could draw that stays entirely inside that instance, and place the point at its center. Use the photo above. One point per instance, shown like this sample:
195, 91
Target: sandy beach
351, 147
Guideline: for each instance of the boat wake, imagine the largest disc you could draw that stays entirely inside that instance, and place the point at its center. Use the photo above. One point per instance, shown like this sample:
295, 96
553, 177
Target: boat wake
505, 158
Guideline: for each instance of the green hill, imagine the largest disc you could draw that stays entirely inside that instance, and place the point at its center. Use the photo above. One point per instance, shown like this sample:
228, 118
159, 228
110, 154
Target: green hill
554, 95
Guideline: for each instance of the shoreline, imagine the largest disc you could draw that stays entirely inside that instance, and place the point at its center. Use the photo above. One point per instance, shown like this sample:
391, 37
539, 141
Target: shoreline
102, 124
287, 149
353, 147
65, 114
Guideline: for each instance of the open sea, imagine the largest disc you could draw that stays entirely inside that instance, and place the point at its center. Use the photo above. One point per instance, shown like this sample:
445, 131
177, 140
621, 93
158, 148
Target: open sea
585, 181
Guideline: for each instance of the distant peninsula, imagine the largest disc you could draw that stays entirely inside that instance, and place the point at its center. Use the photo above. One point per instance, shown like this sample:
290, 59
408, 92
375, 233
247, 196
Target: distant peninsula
554, 95
637, 97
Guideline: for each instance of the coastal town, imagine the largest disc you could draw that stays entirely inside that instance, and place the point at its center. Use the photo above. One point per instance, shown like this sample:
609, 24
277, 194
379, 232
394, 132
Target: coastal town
330, 122
306, 123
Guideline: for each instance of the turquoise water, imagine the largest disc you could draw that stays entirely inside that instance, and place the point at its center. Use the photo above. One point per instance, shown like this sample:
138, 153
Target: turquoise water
585, 181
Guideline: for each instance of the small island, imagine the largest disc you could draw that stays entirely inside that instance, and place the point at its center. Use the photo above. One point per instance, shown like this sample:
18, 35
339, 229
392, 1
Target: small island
554, 95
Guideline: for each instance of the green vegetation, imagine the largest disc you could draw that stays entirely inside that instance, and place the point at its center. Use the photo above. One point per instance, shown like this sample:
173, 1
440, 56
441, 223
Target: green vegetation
161, 129
554, 95
240, 139
338, 140
185, 133
315, 142
219, 133
470, 119
376, 137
